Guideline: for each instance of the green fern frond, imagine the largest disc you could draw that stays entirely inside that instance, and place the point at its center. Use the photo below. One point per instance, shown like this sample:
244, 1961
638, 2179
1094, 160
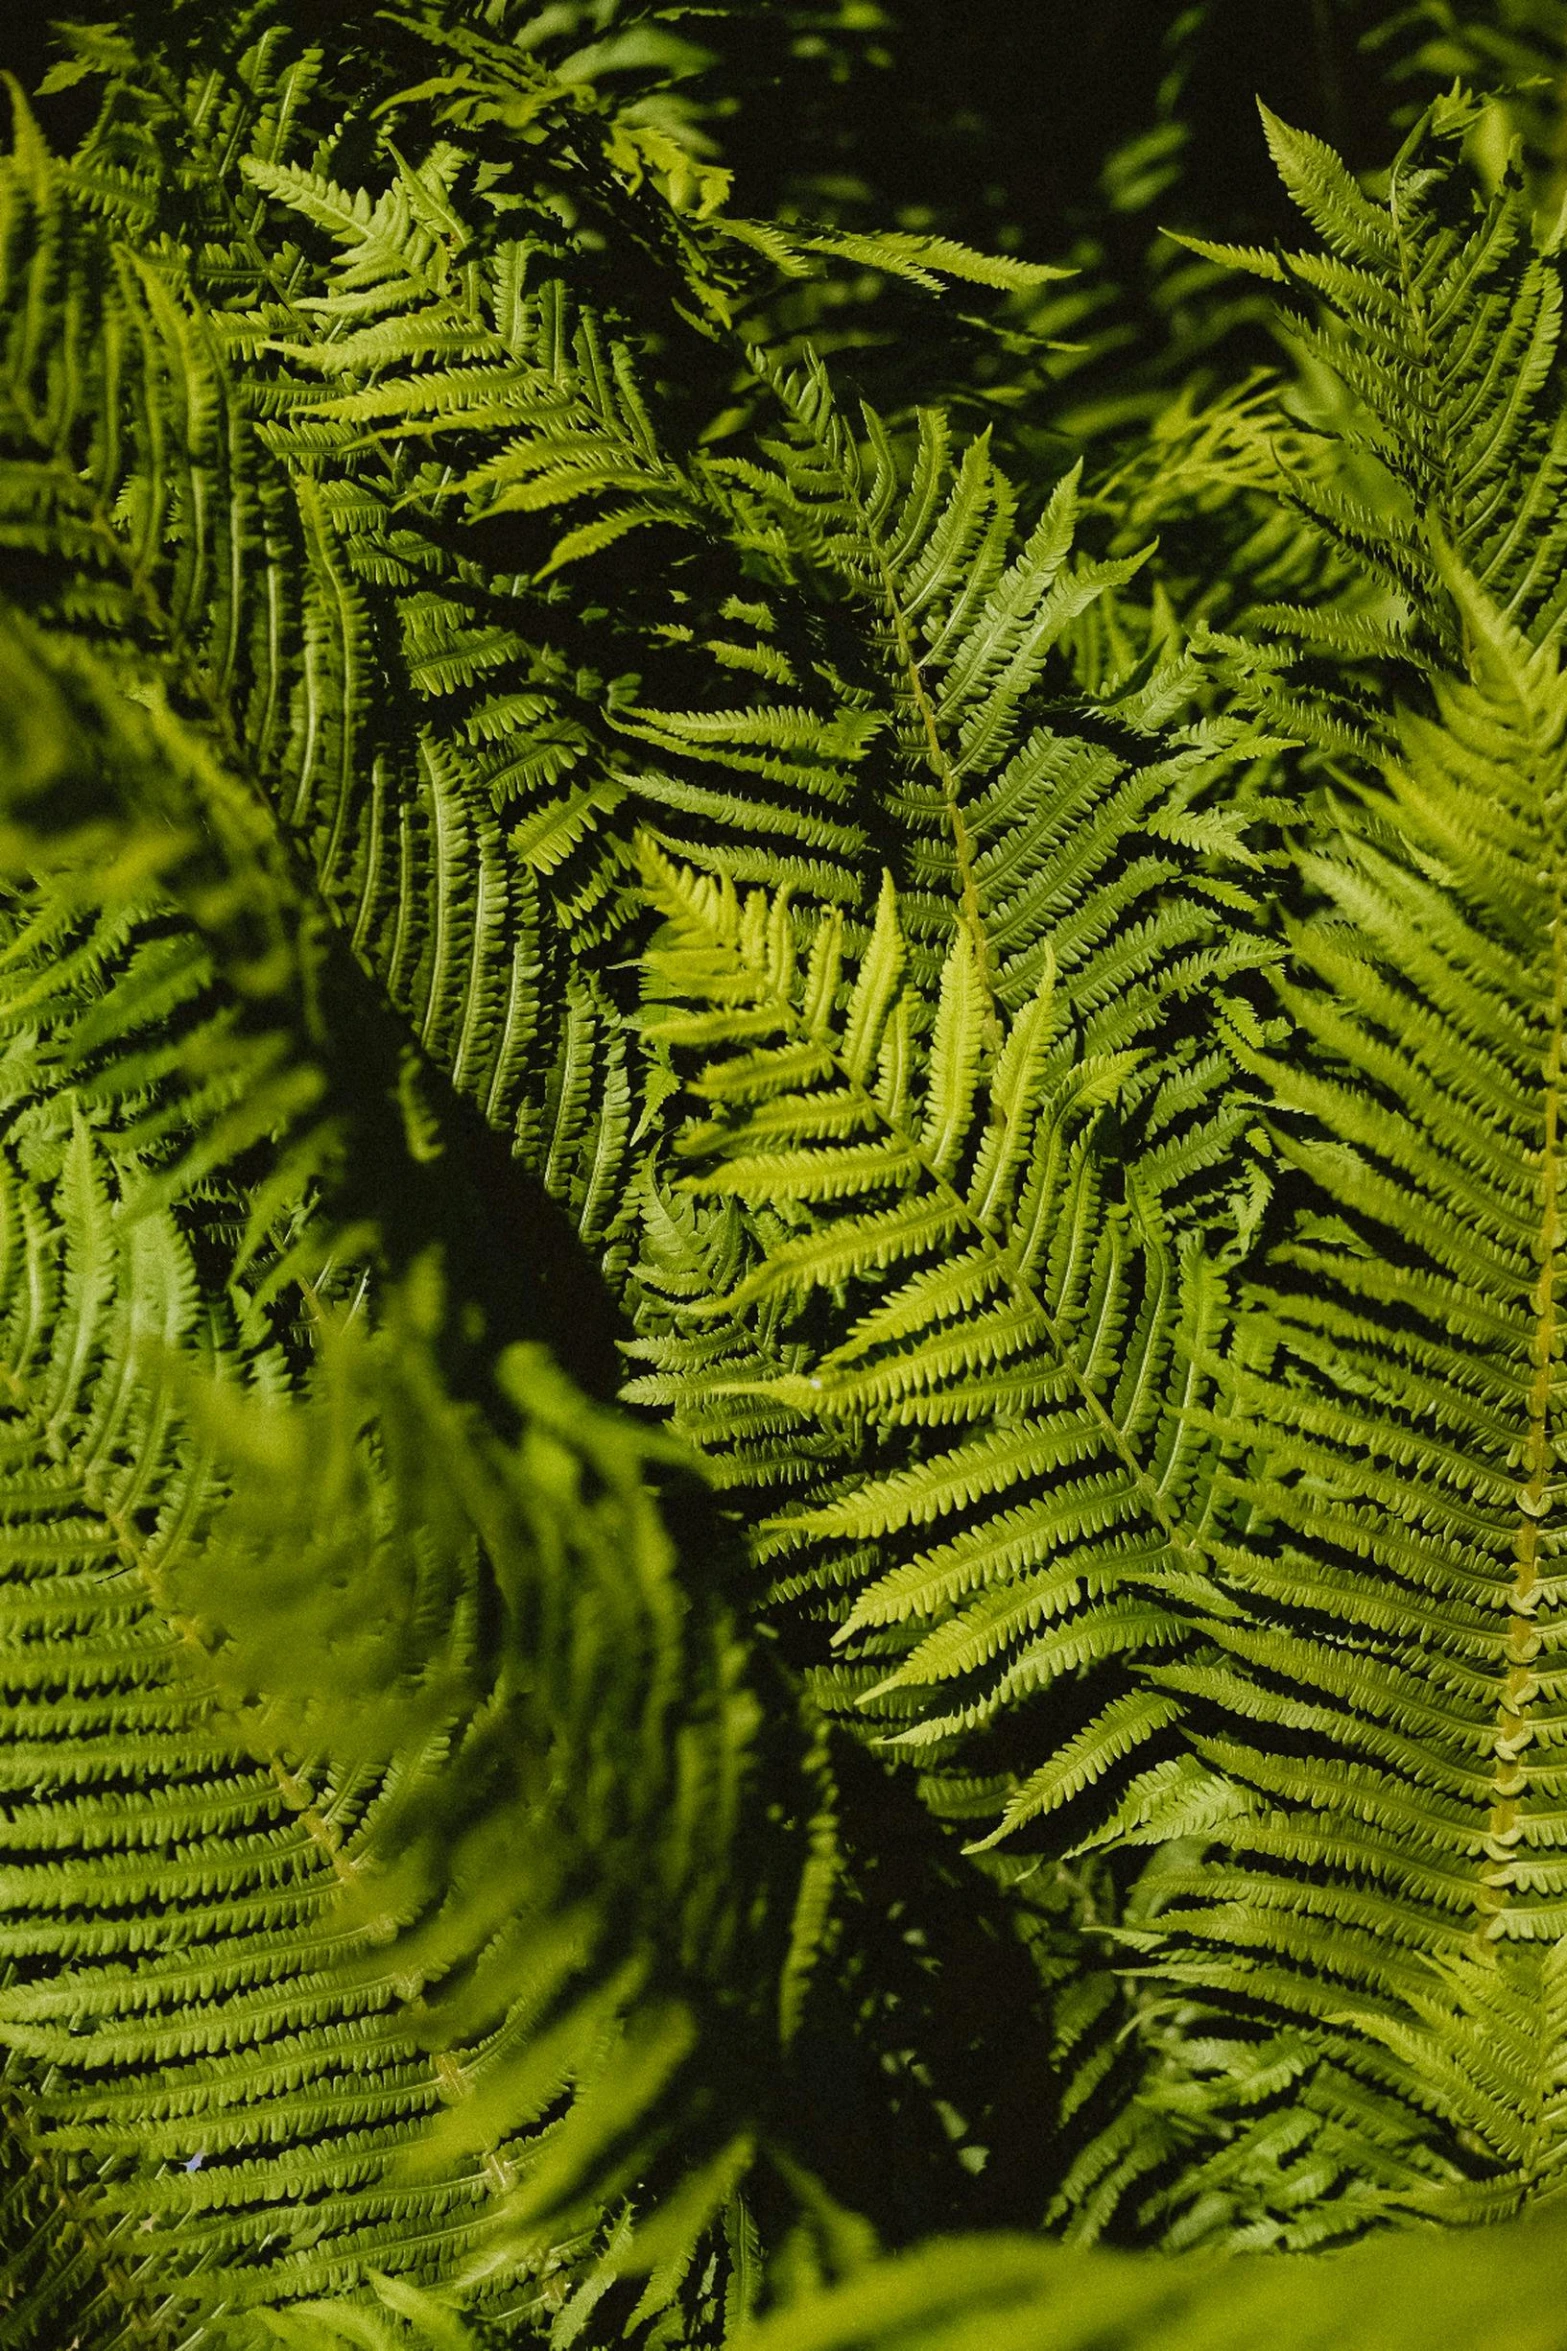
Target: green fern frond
1439, 316
503, 1910
166, 1891
958, 1217
252, 603
1391, 1705
903, 253
1410, 2295
1009, 804
153, 1515
968, 2292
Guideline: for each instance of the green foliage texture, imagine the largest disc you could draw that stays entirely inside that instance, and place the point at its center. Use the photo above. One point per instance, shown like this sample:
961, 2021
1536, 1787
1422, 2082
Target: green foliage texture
783, 1180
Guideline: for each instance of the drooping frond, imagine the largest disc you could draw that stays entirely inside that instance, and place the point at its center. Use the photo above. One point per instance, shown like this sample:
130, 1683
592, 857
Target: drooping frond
148, 516
232, 2002
170, 1961
552, 1946
348, 1935
219, 2054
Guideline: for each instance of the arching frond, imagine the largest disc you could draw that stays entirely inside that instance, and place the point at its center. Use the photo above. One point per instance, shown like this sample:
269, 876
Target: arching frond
245, 1976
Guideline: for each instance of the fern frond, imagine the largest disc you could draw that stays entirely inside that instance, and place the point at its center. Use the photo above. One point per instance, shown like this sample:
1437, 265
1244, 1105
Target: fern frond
1440, 316
1403, 2296
249, 599
985, 1300
1391, 1705
168, 1957
210, 2036
1109, 835
901, 252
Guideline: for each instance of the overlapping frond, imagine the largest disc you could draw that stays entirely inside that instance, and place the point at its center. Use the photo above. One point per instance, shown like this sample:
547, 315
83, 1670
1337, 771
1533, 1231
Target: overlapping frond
222, 2054
502, 761
1415, 2294
536, 408
199, 2088
1108, 834
277, 1902
551, 1877
152, 519
170, 2002
806, 787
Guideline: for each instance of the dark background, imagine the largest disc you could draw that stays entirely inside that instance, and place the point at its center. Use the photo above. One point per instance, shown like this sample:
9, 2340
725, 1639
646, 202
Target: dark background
1070, 131
1003, 112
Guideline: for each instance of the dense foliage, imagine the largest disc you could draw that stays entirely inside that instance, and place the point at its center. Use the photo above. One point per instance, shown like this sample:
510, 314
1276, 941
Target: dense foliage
783, 1279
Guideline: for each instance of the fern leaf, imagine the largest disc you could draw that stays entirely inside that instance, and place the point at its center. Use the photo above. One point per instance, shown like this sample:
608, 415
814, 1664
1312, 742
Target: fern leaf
1326, 193
1009, 1318
1390, 1409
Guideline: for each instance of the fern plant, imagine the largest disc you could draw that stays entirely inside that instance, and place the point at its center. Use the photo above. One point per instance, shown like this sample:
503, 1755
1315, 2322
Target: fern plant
554, 848
976, 1210
265, 2043
1424, 2085
1388, 1416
